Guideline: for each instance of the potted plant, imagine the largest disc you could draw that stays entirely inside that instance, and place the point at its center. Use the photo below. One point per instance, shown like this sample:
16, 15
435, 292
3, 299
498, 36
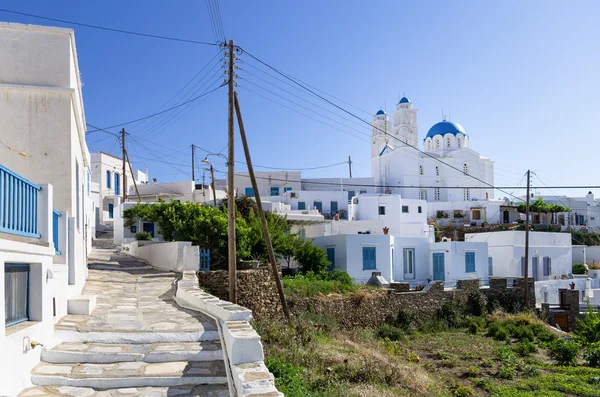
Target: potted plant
594, 271
386, 230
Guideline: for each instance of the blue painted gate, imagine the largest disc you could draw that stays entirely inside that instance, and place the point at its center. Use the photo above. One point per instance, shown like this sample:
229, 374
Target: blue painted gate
204, 260
438, 266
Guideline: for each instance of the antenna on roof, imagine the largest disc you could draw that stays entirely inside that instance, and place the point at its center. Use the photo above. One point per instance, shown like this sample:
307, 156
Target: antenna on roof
385, 105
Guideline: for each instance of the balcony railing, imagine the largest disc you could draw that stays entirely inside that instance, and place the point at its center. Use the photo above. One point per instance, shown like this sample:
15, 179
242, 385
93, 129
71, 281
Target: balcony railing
18, 204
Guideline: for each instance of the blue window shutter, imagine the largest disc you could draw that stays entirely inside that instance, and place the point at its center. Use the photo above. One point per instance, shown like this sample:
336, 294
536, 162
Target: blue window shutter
469, 262
287, 189
108, 179
117, 184
301, 205
249, 192
369, 258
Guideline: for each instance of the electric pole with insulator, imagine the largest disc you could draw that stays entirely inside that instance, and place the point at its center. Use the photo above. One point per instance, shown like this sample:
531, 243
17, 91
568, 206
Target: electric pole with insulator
526, 270
230, 182
124, 154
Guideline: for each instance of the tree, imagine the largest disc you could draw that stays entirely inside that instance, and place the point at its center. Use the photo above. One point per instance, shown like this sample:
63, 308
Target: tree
288, 246
311, 258
540, 206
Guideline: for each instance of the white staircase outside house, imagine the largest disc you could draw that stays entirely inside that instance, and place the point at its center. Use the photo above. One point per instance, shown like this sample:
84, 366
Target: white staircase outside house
140, 342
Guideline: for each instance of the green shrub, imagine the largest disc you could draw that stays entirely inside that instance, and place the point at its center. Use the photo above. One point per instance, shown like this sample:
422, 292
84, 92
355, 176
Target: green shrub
450, 314
498, 332
391, 332
477, 303
311, 258
591, 354
506, 371
564, 352
472, 371
288, 377
459, 390
588, 329
143, 236
311, 284
523, 333
476, 325
578, 268
405, 318
525, 348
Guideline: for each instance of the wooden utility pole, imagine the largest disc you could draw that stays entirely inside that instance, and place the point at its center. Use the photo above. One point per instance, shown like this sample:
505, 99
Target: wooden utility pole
137, 192
230, 182
526, 271
263, 220
124, 165
193, 166
350, 166
212, 179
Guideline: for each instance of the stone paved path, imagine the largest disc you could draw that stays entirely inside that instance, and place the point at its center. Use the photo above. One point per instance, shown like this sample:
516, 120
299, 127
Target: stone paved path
136, 342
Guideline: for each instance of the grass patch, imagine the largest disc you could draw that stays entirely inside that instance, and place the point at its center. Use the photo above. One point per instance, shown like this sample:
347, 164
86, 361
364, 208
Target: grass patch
312, 284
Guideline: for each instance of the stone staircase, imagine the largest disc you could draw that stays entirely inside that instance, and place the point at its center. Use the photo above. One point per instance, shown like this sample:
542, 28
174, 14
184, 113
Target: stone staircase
136, 342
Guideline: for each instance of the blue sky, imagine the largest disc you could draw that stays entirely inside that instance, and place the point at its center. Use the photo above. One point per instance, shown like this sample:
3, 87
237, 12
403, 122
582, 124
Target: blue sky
521, 78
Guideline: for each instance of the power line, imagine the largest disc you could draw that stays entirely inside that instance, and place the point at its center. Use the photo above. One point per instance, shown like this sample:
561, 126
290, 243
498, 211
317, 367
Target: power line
158, 113
153, 36
373, 126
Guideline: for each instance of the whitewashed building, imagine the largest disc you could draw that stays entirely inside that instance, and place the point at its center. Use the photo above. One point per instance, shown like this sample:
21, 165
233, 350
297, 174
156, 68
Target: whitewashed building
107, 172
585, 212
550, 254
184, 191
45, 236
398, 168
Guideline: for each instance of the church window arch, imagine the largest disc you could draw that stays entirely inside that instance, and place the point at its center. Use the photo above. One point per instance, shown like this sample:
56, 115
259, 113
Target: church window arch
437, 143
465, 169
437, 171
448, 142
420, 170
458, 141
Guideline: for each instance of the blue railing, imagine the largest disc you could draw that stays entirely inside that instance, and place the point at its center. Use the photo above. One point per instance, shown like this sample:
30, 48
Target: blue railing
18, 204
55, 216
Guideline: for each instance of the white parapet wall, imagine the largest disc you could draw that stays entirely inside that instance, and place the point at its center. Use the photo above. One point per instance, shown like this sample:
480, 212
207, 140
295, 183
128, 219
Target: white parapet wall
241, 343
175, 256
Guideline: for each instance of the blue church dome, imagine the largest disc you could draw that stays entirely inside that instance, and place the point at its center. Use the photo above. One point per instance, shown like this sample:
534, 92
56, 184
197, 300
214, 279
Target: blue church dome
404, 100
445, 127
379, 112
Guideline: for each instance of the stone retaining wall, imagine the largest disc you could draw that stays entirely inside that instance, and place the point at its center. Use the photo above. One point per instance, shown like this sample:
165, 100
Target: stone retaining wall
257, 291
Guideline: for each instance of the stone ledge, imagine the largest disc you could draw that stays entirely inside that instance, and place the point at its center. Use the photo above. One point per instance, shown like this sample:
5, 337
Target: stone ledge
242, 343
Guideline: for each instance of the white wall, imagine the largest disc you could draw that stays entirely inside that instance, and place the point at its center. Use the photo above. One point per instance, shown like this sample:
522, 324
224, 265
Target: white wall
549, 289
266, 181
490, 211
508, 247
348, 253
592, 254
455, 256
422, 263
123, 234
174, 256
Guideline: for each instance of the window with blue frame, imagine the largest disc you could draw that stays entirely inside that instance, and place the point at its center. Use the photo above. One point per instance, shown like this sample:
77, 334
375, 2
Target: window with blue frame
274, 191
331, 258
287, 189
369, 258
108, 179
16, 293
111, 211
301, 205
469, 262
117, 184
249, 192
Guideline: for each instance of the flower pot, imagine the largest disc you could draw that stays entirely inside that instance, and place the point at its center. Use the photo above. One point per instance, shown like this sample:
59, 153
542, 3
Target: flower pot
386, 230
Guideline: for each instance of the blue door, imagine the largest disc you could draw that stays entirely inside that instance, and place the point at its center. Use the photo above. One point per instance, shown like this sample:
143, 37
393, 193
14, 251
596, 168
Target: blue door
438, 266
301, 205
149, 227
111, 211
334, 207
331, 258
319, 206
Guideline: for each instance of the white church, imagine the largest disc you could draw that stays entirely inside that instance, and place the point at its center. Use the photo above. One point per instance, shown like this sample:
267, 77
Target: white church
397, 167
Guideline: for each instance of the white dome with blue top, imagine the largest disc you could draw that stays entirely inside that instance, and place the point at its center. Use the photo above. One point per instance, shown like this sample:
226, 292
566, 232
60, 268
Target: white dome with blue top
404, 100
380, 112
445, 127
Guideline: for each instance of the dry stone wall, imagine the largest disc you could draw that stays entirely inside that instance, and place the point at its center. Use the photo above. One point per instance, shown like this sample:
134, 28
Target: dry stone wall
256, 291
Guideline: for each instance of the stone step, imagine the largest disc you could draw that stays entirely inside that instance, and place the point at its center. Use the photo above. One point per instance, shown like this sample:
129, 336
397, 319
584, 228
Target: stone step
77, 352
69, 391
130, 374
122, 337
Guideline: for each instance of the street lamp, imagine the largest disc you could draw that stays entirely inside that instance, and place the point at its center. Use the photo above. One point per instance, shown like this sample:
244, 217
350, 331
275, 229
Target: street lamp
212, 173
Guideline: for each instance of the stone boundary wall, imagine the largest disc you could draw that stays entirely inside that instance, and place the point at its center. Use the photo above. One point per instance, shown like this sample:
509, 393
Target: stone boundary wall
256, 291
